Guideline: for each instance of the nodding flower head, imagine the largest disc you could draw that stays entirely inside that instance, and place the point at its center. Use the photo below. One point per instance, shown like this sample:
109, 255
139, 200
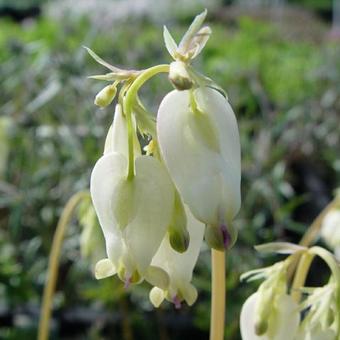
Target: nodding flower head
199, 142
270, 312
134, 213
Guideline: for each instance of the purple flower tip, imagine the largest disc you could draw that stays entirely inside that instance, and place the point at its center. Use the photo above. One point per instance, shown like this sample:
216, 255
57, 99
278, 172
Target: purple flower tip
226, 236
177, 302
127, 282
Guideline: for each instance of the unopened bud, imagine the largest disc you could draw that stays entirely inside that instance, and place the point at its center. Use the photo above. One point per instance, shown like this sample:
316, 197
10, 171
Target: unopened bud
220, 237
179, 76
106, 96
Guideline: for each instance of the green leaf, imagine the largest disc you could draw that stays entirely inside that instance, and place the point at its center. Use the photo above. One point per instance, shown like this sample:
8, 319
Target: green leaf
170, 43
192, 30
101, 61
280, 248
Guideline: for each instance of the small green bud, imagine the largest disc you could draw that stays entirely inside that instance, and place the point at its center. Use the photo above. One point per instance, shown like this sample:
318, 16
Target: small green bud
179, 76
220, 237
261, 327
106, 96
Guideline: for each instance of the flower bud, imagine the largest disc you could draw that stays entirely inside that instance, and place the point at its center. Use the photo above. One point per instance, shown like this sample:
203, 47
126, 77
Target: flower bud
106, 96
179, 76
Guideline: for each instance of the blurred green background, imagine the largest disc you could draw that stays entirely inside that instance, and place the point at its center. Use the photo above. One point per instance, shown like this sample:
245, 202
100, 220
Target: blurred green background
279, 62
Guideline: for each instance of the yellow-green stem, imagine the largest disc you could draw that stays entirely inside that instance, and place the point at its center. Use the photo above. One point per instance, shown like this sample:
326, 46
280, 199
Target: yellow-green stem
218, 295
129, 101
312, 232
301, 275
52, 273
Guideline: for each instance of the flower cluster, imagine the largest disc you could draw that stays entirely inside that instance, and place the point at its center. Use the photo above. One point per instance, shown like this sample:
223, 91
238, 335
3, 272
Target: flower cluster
156, 204
275, 311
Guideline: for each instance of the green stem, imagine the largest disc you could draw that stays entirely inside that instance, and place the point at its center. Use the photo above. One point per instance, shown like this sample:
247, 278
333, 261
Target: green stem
52, 272
313, 231
129, 101
218, 295
301, 275
329, 259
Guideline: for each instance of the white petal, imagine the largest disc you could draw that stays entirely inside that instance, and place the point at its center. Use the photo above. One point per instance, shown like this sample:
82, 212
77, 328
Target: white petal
208, 181
190, 294
104, 268
157, 277
144, 234
330, 230
247, 319
327, 334
282, 322
117, 137
156, 296
180, 266
107, 173
287, 318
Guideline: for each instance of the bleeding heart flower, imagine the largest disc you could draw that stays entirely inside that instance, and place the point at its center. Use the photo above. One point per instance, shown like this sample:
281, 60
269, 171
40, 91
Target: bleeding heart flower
200, 145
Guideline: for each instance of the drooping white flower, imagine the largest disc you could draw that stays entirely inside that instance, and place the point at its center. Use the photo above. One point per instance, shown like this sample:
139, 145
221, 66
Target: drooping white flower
133, 213
281, 324
330, 230
270, 313
199, 141
179, 267
322, 319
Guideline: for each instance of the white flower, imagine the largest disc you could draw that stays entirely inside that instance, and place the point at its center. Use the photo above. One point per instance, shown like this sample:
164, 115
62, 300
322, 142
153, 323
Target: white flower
281, 324
317, 334
199, 141
133, 214
179, 267
330, 230
322, 319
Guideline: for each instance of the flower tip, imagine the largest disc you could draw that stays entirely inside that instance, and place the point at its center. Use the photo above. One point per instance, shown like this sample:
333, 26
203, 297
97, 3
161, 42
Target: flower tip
261, 327
220, 238
177, 302
179, 240
127, 282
